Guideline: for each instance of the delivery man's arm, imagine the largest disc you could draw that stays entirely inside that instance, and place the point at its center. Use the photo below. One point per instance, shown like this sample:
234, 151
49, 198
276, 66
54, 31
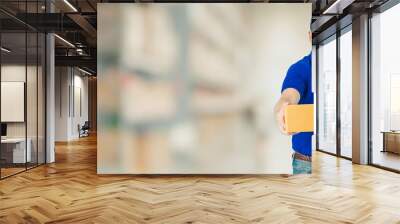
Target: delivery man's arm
288, 97
293, 88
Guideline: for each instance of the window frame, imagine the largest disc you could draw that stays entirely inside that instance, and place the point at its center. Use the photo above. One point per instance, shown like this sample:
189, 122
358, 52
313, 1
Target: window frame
27, 29
334, 37
371, 14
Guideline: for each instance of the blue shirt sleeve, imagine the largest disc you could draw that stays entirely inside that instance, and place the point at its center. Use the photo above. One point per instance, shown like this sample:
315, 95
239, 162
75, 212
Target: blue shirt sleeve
294, 79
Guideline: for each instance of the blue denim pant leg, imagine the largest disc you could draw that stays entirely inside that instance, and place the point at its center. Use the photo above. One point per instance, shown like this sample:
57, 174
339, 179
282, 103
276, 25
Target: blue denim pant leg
301, 166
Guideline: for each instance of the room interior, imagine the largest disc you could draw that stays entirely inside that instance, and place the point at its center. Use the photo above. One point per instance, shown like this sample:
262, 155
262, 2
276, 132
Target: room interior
22, 102
48, 170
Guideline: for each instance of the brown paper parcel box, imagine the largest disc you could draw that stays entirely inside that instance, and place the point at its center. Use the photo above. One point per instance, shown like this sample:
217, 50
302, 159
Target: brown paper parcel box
299, 118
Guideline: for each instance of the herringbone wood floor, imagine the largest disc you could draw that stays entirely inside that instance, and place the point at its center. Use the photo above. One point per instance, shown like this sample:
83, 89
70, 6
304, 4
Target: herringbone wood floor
69, 191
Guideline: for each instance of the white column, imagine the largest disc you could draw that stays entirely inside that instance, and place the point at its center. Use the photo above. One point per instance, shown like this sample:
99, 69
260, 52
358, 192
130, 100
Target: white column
314, 90
50, 92
50, 99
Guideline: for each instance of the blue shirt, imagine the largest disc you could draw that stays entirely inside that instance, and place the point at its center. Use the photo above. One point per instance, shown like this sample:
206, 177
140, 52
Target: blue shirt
299, 77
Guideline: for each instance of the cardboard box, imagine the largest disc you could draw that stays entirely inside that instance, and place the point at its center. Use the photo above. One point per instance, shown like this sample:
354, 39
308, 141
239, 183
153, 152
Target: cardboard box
299, 118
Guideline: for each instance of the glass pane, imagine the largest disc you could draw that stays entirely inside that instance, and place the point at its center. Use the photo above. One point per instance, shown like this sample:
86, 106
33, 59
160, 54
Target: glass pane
346, 94
41, 98
13, 86
22, 89
31, 87
327, 97
32, 95
386, 89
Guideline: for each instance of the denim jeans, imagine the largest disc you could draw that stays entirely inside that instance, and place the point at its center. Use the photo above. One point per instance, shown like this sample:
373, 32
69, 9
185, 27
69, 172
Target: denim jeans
301, 166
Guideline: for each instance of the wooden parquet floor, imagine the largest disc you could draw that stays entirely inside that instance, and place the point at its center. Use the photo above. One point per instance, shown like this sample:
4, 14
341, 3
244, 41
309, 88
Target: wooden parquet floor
69, 191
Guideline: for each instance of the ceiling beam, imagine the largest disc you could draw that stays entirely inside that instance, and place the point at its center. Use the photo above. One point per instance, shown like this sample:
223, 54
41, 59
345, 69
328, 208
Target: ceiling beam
81, 61
85, 25
337, 7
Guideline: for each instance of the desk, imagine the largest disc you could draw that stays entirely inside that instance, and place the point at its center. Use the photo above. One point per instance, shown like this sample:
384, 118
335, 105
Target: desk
15, 148
391, 141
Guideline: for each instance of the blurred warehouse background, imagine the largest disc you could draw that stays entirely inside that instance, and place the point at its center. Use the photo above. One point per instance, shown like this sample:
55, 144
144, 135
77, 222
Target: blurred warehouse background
190, 88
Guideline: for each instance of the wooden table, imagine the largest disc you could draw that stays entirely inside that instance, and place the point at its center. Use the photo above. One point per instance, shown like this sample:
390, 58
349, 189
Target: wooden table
391, 141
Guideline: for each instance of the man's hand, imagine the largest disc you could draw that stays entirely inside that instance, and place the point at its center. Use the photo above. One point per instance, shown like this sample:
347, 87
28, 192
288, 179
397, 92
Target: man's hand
280, 117
288, 97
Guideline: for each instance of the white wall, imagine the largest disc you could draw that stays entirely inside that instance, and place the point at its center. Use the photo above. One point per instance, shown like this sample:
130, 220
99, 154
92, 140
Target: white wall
12, 73
280, 51
70, 83
61, 103
34, 126
80, 85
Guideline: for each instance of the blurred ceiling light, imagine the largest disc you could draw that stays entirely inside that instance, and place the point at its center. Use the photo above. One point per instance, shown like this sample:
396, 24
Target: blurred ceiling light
84, 71
64, 40
5, 50
79, 51
337, 7
70, 5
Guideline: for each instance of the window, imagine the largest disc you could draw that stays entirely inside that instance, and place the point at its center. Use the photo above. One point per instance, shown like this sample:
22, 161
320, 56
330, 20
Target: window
385, 89
346, 93
394, 101
327, 97
22, 89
